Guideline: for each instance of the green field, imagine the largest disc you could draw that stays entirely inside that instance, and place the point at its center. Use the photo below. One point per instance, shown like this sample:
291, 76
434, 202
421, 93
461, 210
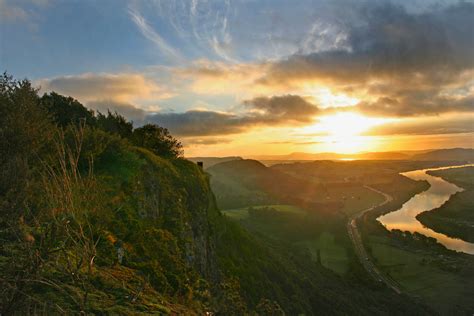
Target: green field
289, 223
434, 278
333, 255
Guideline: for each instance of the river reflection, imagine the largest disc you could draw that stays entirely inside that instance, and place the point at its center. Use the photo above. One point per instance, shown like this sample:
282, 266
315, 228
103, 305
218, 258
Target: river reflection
439, 192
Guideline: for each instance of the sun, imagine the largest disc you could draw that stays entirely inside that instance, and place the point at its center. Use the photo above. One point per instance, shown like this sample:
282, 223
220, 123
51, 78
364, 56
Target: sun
342, 132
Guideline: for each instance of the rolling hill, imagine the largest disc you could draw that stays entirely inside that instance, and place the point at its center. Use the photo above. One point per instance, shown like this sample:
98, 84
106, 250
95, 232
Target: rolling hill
454, 154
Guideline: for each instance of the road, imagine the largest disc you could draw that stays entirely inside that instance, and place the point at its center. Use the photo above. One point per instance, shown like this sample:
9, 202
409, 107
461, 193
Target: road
356, 239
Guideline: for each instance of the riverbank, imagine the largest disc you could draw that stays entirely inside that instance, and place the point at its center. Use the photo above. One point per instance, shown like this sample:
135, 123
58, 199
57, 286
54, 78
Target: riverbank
439, 192
455, 218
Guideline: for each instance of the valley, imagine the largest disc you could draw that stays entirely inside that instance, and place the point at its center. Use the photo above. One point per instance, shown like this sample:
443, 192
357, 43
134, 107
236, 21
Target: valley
402, 260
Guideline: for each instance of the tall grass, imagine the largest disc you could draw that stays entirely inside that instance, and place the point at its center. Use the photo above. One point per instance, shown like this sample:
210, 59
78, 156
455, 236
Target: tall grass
59, 244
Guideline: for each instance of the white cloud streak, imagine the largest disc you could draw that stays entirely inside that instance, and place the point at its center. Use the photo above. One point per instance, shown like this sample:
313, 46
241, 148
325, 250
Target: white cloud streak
148, 31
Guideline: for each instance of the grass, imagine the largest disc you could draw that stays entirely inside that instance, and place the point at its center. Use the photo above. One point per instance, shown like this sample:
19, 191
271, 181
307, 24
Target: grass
333, 255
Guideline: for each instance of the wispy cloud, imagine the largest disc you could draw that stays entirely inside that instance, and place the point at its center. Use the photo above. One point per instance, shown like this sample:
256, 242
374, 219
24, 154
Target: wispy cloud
151, 34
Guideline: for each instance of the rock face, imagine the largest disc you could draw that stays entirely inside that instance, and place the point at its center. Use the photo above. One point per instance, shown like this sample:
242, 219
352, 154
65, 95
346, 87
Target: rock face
176, 196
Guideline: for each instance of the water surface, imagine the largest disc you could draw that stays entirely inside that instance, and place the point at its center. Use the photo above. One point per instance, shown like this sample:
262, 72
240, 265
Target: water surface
439, 192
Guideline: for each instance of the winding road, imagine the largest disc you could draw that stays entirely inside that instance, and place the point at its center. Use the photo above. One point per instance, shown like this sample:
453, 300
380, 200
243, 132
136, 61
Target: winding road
356, 239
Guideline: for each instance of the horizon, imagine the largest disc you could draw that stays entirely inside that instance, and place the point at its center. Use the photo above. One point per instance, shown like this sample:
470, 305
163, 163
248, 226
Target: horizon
231, 78
255, 156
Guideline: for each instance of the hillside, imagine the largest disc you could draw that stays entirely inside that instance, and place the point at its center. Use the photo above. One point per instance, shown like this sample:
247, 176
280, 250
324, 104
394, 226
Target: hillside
248, 182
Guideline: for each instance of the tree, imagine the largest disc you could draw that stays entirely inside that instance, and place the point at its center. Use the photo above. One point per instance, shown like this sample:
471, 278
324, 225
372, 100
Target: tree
25, 133
115, 123
158, 140
66, 110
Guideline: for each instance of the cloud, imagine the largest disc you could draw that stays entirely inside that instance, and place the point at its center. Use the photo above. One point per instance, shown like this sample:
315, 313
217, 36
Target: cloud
128, 110
12, 13
288, 110
427, 126
416, 104
115, 92
206, 141
103, 86
391, 44
20, 11
211, 77
148, 31
198, 123
292, 142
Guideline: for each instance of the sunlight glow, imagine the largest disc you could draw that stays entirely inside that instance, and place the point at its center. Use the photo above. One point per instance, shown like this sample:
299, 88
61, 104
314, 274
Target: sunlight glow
342, 131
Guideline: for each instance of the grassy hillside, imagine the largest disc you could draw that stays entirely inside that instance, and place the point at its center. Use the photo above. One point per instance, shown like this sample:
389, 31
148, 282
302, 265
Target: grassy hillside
456, 217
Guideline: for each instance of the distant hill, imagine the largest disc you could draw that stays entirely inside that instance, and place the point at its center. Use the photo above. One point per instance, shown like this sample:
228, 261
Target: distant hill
300, 156
242, 183
211, 161
459, 154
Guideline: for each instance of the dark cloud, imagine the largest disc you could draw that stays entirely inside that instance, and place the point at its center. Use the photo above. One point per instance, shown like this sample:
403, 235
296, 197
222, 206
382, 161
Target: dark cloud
392, 44
199, 123
416, 104
286, 108
261, 111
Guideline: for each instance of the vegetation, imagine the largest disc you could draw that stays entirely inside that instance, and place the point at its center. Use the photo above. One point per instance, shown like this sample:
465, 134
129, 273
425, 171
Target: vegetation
98, 218
456, 217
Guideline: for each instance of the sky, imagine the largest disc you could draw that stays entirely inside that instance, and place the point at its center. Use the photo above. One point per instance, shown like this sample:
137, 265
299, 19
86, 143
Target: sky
259, 77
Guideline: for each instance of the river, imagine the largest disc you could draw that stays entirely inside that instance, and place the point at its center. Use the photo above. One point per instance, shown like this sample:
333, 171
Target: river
439, 192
